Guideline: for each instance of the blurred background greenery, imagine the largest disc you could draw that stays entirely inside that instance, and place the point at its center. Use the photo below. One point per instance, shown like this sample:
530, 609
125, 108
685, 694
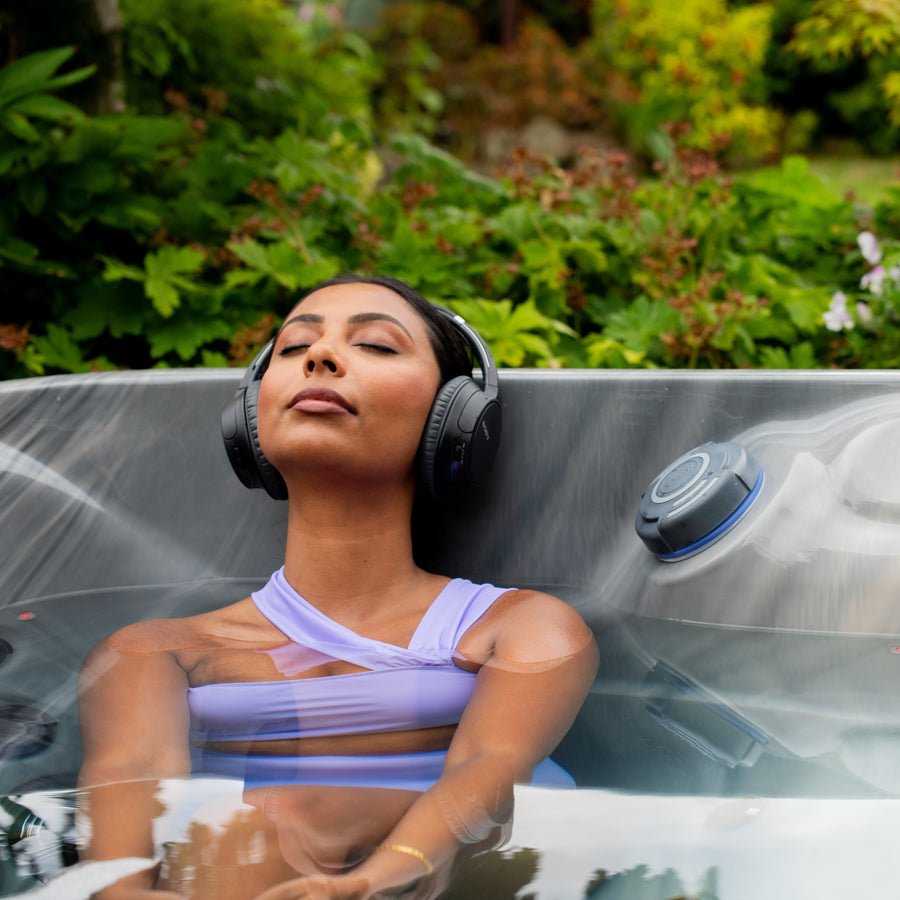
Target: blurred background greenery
592, 183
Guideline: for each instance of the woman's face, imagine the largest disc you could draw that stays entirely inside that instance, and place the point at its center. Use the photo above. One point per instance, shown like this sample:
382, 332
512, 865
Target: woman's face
349, 386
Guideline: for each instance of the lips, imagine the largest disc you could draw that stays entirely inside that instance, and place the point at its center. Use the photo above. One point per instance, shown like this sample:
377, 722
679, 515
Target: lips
320, 400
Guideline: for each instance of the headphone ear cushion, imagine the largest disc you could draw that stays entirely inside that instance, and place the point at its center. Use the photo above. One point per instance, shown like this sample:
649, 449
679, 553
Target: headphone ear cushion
439, 437
269, 476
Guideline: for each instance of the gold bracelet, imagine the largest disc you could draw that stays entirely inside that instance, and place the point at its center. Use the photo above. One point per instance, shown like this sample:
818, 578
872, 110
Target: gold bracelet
409, 851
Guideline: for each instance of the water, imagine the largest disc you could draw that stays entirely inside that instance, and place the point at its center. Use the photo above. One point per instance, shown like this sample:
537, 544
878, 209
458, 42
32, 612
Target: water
742, 735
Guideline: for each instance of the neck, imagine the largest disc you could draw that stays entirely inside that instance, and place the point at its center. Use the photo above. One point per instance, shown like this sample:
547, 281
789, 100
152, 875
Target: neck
349, 548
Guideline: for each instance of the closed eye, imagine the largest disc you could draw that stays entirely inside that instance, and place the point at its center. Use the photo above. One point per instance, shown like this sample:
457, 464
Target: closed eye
380, 348
292, 348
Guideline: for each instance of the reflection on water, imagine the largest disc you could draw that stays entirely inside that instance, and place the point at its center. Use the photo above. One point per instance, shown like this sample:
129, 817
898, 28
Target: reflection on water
501, 875
581, 845
740, 741
236, 844
640, 883
224, 849
655, 816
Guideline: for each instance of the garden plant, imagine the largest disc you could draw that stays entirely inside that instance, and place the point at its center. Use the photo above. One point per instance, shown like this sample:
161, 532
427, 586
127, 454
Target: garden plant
175, 233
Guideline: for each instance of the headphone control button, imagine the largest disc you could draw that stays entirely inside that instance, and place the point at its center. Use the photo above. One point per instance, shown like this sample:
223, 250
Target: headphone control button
468, 418
229, 418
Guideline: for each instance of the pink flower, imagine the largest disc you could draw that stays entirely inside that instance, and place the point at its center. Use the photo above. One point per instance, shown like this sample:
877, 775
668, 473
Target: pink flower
873, 280
868, 245
837, 317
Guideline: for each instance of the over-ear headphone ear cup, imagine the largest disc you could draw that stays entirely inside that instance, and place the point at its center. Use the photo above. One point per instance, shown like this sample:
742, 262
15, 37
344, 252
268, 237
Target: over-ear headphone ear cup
441, 458
237, 441
269, 476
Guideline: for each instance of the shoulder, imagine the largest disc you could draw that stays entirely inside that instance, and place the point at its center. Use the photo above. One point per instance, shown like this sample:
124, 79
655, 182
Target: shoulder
155, 637
134, 649
529, 626
536, 616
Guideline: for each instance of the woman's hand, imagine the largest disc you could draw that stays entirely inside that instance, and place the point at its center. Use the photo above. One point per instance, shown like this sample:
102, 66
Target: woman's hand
319, 887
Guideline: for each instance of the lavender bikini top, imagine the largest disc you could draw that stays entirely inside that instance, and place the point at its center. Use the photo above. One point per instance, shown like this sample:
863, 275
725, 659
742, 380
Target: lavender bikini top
402, 689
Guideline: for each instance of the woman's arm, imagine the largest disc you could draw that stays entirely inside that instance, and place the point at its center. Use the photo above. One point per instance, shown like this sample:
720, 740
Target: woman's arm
134, 725
539, 660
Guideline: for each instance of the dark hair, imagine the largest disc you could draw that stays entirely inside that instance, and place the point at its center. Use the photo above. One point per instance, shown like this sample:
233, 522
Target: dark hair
449, 345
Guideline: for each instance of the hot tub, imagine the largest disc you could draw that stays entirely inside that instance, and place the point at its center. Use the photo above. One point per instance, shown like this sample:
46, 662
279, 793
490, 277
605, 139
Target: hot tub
743, 734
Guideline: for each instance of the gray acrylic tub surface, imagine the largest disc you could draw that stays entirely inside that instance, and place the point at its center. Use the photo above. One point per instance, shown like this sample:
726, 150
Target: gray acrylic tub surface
744, 729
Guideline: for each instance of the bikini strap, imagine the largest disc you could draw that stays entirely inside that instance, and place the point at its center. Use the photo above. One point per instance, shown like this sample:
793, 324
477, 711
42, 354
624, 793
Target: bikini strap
458, 606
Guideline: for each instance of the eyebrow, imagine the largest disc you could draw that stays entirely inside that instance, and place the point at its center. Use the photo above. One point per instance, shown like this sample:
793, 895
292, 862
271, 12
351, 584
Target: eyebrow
357, 319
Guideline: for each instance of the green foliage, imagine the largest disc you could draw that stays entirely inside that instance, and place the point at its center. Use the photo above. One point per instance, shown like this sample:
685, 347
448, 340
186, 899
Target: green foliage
129, 240
850, 53
407, 95
865, 314
518, 336
697, 61
777, 76
26, 87
844, 27
148, 240
440, 78
589, 266
255, 62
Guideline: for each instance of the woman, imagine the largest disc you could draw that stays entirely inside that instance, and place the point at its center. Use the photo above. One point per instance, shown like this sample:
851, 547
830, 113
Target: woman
341, 409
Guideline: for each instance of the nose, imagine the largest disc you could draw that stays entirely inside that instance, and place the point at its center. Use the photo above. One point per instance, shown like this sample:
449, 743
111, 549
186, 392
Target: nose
311, 365
321, 355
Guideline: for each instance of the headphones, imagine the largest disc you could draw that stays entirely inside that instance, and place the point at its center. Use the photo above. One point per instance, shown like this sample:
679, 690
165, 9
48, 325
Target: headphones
459, 442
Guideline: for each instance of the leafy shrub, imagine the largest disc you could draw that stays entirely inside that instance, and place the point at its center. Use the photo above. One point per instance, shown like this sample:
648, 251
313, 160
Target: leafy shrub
141, 240
858, 41
256, 62
697, 61
535, 75
415, 44
603, 269
190, 242
865, 316
440, 79
119, 234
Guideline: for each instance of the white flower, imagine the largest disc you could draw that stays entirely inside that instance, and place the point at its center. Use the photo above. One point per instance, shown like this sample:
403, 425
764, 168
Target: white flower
868, 245
837, 317
864, 314
873, 280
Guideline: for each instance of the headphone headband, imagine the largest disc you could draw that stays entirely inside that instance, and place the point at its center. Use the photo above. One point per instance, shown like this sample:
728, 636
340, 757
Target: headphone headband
490, 380
459, 442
